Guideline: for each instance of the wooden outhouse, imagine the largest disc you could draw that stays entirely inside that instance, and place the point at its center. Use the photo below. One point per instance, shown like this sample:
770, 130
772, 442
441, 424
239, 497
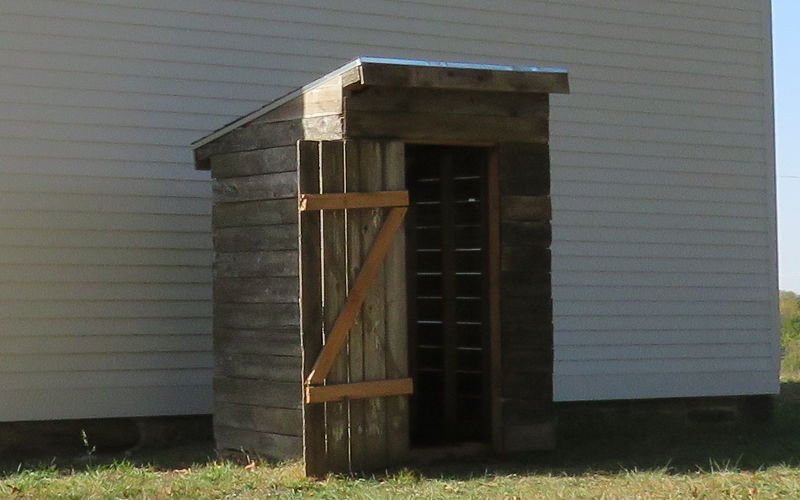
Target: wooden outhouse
382, 267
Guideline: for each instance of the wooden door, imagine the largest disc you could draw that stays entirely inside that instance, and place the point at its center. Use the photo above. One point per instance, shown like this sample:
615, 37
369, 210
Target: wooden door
353, 304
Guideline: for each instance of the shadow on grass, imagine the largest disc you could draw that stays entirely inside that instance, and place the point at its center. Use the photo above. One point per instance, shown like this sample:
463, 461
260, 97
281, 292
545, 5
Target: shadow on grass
584, 447
654, 443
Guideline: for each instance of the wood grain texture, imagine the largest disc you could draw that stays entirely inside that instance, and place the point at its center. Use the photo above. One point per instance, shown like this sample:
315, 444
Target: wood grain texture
260, 366
366, 283
282, 290
265, 444
254, 213
334, 296
284, 421
270, 135
375, 225
494, 264
273, 341
355, 340
527, 208
252, 238
261, 161
255, 316
255, 187
525, 307
346, 201
444, 128
449, 101
359, 390
311, 306
267, 393
396, 318
324, 100
256, 264
466, 79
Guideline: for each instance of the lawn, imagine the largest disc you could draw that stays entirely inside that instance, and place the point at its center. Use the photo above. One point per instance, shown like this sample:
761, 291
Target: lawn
645, 458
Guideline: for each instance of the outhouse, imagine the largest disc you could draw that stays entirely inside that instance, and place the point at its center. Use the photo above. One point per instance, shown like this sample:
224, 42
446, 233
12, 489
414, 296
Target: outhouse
382, 267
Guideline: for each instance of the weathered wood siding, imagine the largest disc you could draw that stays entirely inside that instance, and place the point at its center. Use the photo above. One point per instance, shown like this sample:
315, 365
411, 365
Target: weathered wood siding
662, 183
258, 366
526, 306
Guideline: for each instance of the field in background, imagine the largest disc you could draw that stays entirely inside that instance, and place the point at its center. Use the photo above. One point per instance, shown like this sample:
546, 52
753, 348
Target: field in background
640, 457
790, 333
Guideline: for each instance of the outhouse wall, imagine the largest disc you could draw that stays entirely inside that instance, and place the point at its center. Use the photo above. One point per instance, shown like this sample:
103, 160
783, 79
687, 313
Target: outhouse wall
664, 265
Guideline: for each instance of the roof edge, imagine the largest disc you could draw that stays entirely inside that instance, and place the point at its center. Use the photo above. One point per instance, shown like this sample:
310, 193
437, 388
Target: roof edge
357, 63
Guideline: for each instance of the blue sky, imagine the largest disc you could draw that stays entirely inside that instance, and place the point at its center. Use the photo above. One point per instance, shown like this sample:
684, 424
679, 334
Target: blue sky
786, 42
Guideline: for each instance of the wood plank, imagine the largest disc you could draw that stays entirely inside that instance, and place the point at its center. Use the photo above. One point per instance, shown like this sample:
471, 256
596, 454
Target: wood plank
356, 296
264, 444
526, 305
525, 208
355, 341
521, 311
531, 259
359, 390
258, 418
256, 264
334, 294
521, 233
494, 243
269, 135
445, 128
260, 366
267, 393
311, 306
524, 169
397, 410
251, 238
463, 78
323, 100
373, 312
529, 285
282, 290
260, 161
256, 316
430, 100
267, 341
344, 201
254, 213
255, 187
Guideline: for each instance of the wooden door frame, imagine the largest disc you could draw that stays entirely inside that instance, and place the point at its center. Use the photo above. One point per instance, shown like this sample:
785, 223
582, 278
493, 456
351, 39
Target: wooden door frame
493, 240
494, 274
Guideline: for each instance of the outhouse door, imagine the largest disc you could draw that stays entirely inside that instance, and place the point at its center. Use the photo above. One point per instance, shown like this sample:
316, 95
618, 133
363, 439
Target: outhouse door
352, 204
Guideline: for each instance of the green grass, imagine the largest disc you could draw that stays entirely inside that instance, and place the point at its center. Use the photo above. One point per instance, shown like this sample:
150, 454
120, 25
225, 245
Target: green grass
634, 458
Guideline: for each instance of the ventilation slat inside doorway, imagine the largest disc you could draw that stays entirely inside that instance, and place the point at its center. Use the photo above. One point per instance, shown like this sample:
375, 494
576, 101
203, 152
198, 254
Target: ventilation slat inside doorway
447, 255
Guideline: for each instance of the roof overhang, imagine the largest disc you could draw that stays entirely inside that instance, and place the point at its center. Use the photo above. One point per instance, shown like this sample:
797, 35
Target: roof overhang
377, 71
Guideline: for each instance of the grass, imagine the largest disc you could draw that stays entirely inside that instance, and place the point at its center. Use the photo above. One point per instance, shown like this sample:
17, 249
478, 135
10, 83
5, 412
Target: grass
648, 458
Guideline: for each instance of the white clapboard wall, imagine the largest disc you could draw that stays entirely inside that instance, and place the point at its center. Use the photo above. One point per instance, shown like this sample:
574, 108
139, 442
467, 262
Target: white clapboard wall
664, 242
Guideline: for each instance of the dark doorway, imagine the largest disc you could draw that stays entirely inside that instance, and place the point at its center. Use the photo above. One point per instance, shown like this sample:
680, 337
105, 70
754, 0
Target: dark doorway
449, 326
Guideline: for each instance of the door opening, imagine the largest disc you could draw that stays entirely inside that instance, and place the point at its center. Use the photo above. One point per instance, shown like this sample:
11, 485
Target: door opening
449, 327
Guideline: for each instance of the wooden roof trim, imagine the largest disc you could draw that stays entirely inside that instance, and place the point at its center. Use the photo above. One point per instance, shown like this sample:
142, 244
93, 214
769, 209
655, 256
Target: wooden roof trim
417, 73
463, 76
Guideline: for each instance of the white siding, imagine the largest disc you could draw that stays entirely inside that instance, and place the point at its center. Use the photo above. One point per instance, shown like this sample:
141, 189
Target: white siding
664, 253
